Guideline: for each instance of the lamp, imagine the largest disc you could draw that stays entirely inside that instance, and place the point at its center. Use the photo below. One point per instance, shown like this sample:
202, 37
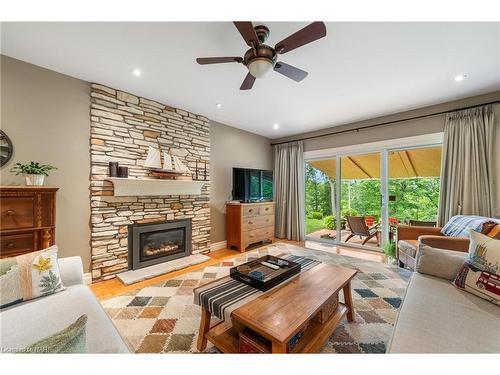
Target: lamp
259, 67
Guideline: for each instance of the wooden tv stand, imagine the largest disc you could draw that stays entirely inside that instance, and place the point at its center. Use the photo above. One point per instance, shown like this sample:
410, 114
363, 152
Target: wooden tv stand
249, 223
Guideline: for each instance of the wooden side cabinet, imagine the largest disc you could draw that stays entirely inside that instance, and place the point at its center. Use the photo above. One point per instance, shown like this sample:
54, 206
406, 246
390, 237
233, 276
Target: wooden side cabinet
27, 219
249, 223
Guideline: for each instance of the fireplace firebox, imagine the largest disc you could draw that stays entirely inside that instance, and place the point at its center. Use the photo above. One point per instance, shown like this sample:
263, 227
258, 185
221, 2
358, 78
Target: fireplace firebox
158, 242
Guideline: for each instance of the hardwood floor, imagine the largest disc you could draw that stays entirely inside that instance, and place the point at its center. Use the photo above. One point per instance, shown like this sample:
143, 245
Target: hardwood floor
110, 288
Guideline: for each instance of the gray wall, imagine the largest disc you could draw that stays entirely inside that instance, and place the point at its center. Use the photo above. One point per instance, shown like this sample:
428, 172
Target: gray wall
46, 115
231, 147
403, 129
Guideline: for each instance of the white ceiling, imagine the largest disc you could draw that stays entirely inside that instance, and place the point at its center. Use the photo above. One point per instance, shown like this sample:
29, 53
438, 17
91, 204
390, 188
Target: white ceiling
359, 71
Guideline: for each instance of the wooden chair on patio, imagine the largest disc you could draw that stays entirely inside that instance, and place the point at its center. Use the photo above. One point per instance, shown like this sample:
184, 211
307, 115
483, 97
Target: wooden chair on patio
420, 223
358, 227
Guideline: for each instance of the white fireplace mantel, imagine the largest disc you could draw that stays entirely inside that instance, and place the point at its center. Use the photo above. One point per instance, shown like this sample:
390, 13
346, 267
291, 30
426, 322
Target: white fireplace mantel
126, 187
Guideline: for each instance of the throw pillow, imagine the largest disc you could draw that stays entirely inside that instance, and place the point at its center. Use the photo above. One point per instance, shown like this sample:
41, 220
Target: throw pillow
439, 262
494, 232
72, 339
480, 273
29, 276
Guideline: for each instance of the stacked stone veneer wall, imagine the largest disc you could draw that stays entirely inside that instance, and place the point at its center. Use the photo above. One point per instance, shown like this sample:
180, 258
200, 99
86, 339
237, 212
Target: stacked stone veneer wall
122, 128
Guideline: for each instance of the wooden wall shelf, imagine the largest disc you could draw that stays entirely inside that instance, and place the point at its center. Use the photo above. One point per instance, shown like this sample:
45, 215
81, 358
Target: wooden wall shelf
126, 187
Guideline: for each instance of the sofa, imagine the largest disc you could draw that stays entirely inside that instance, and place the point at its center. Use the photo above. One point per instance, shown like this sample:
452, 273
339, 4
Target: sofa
25, 323
436, 317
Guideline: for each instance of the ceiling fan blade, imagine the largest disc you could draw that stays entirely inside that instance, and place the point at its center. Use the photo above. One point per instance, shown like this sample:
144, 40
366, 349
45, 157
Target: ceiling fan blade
217, 60
247, 32
290, 71
247, 82
308, 34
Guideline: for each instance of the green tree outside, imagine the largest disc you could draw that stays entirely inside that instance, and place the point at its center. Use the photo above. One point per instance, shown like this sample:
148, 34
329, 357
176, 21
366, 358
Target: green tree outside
416, 198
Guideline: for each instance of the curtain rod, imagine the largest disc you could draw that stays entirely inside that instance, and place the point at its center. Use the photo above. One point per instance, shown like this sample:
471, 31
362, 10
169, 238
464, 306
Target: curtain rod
383, 124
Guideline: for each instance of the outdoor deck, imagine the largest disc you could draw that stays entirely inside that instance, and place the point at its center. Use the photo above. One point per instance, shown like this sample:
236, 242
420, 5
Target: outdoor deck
355, 240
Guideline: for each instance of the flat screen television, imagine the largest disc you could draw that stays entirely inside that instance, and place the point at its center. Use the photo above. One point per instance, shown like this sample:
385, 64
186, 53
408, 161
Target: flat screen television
250, 185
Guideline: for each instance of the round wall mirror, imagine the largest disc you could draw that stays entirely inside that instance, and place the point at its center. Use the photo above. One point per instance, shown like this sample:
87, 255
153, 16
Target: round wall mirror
5, 148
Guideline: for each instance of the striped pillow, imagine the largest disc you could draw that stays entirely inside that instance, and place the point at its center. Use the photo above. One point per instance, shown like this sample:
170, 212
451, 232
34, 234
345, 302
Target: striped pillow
459, 225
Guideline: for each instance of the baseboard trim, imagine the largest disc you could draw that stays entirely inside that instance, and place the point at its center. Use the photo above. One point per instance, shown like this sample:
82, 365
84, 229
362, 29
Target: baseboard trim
87, 278
218, 245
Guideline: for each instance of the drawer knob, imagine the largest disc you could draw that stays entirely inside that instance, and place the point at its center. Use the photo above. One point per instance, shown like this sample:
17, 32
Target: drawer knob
10, 212
10, 245
267, 208
251, 236
250, 210
250, 222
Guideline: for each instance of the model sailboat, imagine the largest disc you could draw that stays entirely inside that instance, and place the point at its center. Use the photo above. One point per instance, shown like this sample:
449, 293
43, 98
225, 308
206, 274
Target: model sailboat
170, 164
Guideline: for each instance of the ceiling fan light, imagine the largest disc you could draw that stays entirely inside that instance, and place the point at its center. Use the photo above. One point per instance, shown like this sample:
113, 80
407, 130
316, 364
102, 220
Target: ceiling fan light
259, 67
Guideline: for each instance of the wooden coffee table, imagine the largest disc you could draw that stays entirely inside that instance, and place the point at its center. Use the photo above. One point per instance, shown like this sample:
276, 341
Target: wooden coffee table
281, 313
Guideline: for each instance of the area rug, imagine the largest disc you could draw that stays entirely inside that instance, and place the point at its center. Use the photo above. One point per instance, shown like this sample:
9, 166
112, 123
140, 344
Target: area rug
162, 318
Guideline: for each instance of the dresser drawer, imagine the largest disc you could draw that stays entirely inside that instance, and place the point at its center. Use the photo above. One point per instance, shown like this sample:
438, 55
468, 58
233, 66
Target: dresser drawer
248, 210
17, 212
17, 244
257, 235
251, 223
266, 209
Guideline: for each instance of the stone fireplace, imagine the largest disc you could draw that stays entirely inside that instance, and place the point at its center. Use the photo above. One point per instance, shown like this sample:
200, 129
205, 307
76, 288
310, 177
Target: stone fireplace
153, 243
122, 127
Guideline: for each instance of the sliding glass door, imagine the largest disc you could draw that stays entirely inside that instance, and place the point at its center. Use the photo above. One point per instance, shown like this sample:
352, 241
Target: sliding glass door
413, 186
343, 205
320, 188
358, 199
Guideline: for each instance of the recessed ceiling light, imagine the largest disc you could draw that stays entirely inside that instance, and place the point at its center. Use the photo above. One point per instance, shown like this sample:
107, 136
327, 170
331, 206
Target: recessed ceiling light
136, 72
276, 126
460, 77
218, 105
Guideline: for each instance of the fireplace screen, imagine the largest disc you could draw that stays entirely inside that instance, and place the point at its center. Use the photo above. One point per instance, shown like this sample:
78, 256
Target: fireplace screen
162, 243
155, 243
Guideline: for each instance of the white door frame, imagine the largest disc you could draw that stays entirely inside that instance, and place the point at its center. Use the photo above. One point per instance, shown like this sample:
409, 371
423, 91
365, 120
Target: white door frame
384, 148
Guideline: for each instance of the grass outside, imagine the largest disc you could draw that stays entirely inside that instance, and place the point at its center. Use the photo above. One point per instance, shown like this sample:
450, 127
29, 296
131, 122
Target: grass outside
312, 225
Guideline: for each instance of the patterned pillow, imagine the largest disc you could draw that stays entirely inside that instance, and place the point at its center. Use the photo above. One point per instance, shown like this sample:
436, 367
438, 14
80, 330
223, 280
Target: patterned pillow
29, 276
480, 273
459, 225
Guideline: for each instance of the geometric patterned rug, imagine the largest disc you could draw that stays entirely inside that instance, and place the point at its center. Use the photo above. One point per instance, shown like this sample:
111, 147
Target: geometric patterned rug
162, 318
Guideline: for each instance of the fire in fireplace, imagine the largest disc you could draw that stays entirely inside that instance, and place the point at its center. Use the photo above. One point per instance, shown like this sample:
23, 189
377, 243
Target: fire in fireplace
158, 242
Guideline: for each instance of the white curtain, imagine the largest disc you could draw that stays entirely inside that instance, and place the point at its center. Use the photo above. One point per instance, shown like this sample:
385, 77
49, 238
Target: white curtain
470, 164
289, 190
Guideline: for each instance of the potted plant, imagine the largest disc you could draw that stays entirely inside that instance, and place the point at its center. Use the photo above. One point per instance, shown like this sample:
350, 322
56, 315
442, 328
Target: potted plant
33, 172
390, 251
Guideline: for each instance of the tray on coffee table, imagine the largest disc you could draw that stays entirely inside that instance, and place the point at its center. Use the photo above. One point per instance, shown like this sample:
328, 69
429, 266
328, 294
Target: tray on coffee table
262, 276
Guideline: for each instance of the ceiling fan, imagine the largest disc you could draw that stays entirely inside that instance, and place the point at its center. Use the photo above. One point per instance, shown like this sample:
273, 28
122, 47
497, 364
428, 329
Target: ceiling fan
261, 58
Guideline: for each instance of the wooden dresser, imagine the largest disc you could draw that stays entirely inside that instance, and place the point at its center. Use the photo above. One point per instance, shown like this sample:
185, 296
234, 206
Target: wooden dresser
248, 223
27, 219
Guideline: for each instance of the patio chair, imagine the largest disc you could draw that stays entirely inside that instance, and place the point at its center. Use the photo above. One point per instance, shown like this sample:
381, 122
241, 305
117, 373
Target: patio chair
419, 223
358, 227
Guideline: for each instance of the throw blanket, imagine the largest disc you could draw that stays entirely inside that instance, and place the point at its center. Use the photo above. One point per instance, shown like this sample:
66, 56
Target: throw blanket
459, 225
221, 297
